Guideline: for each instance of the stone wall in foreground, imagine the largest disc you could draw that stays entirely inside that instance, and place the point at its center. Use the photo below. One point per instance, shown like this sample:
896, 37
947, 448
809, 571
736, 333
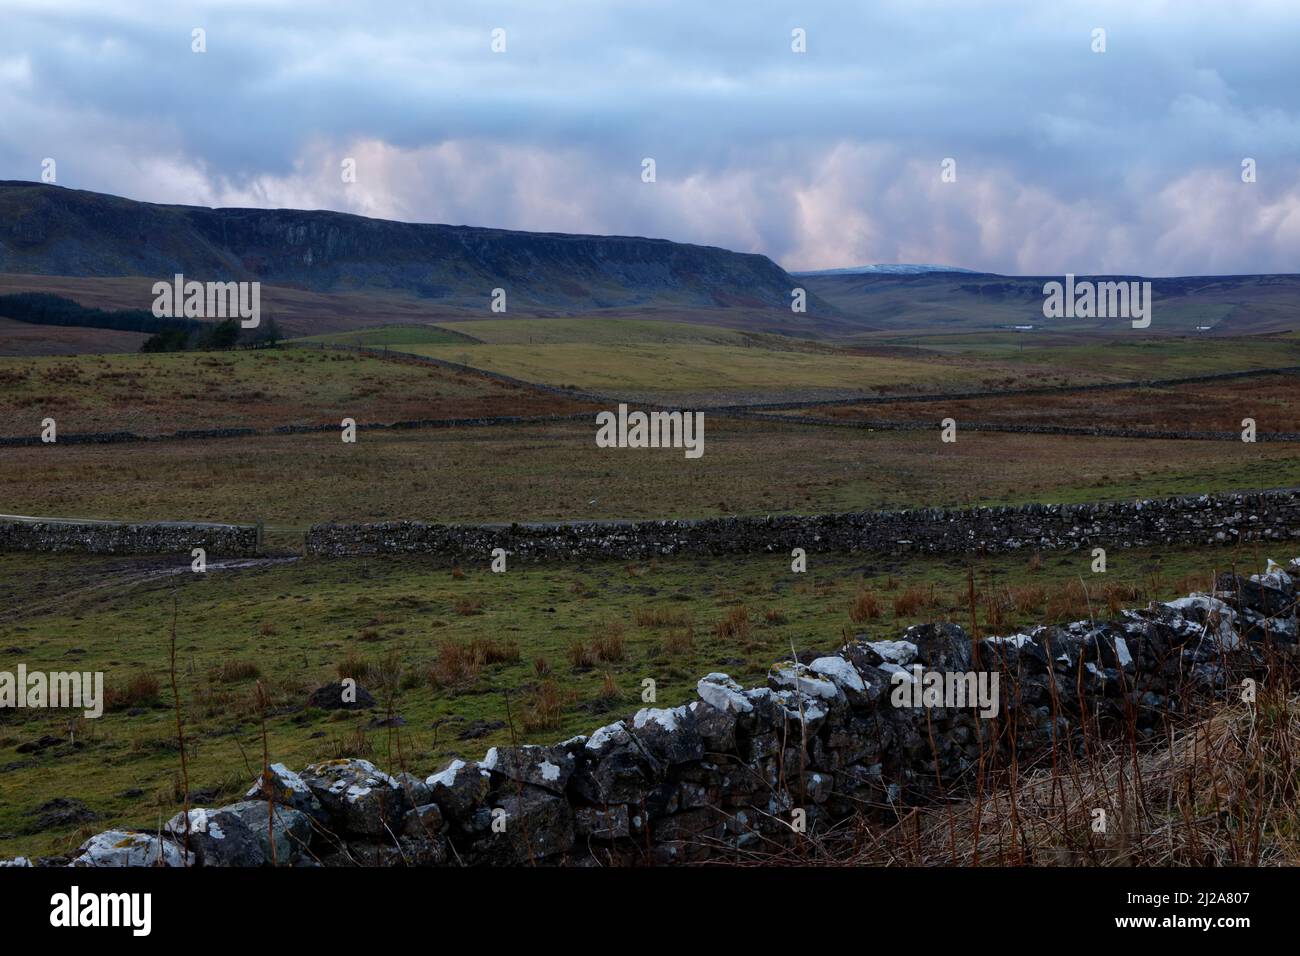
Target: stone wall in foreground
1201, 520
53, 535
730, 772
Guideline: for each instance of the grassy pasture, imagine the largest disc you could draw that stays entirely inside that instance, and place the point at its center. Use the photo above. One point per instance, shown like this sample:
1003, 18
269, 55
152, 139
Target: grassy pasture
704, 369
390, 336
696, 363
556, 472
625, 331
569, 645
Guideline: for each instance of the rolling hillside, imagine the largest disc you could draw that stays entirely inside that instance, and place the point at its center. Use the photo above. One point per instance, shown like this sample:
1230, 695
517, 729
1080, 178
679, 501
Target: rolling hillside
961, 301
53, 231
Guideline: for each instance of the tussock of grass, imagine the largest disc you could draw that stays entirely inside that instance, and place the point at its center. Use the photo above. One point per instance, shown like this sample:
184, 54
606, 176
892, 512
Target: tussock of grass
865, 607
140, 690
230, 672
734, 625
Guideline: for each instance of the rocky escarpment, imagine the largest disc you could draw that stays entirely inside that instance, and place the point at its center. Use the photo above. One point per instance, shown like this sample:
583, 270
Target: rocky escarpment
735, 769
49, 230
1201, 519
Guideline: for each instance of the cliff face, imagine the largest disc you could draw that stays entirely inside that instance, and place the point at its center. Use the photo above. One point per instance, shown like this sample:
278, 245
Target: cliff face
50, 230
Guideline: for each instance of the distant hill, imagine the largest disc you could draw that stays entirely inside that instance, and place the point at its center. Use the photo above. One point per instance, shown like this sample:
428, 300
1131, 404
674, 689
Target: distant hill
53, 231
1213, 305
883, 268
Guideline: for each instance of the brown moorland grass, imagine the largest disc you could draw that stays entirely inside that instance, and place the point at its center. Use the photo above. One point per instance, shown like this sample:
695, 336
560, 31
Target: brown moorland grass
163, 393
1205, 406
1216, 790
555, 472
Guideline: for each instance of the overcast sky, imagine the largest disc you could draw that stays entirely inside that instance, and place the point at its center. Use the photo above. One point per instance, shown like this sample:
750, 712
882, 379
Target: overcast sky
1067, 160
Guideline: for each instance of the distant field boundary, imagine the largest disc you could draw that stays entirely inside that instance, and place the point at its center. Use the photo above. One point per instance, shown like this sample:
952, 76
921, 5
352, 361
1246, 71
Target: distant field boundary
92, 536
752, 412
832, 402
391, 354
109, 438
1222, 519
1014, 392
1085, 431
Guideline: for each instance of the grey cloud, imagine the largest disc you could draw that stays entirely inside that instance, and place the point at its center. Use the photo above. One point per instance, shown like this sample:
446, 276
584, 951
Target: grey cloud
1067, 159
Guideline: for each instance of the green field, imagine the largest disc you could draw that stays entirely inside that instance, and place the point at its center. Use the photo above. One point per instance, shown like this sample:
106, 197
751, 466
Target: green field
645, 359
389, 336
395, 622
606, 331
697, 368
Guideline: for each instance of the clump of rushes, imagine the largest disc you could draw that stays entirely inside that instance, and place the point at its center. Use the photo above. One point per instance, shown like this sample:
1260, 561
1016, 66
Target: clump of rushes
678, 642
607, 645
581, 656
865, 607
734, 625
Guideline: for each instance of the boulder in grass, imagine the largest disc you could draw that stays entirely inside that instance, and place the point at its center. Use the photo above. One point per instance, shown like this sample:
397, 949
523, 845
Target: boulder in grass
338, 696
60, 812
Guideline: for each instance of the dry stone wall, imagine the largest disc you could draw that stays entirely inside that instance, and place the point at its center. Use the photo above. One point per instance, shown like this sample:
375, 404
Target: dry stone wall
729, 772
1201, 520
120, 537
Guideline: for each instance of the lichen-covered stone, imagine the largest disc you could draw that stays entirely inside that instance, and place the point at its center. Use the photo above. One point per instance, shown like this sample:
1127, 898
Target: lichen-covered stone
287, 789
459, 789
547, 767
357, 795
216, 837
288, 829
670, 736
127, 848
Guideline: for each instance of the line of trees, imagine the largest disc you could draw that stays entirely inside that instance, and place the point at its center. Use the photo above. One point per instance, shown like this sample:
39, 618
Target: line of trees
165, 334
214, 336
